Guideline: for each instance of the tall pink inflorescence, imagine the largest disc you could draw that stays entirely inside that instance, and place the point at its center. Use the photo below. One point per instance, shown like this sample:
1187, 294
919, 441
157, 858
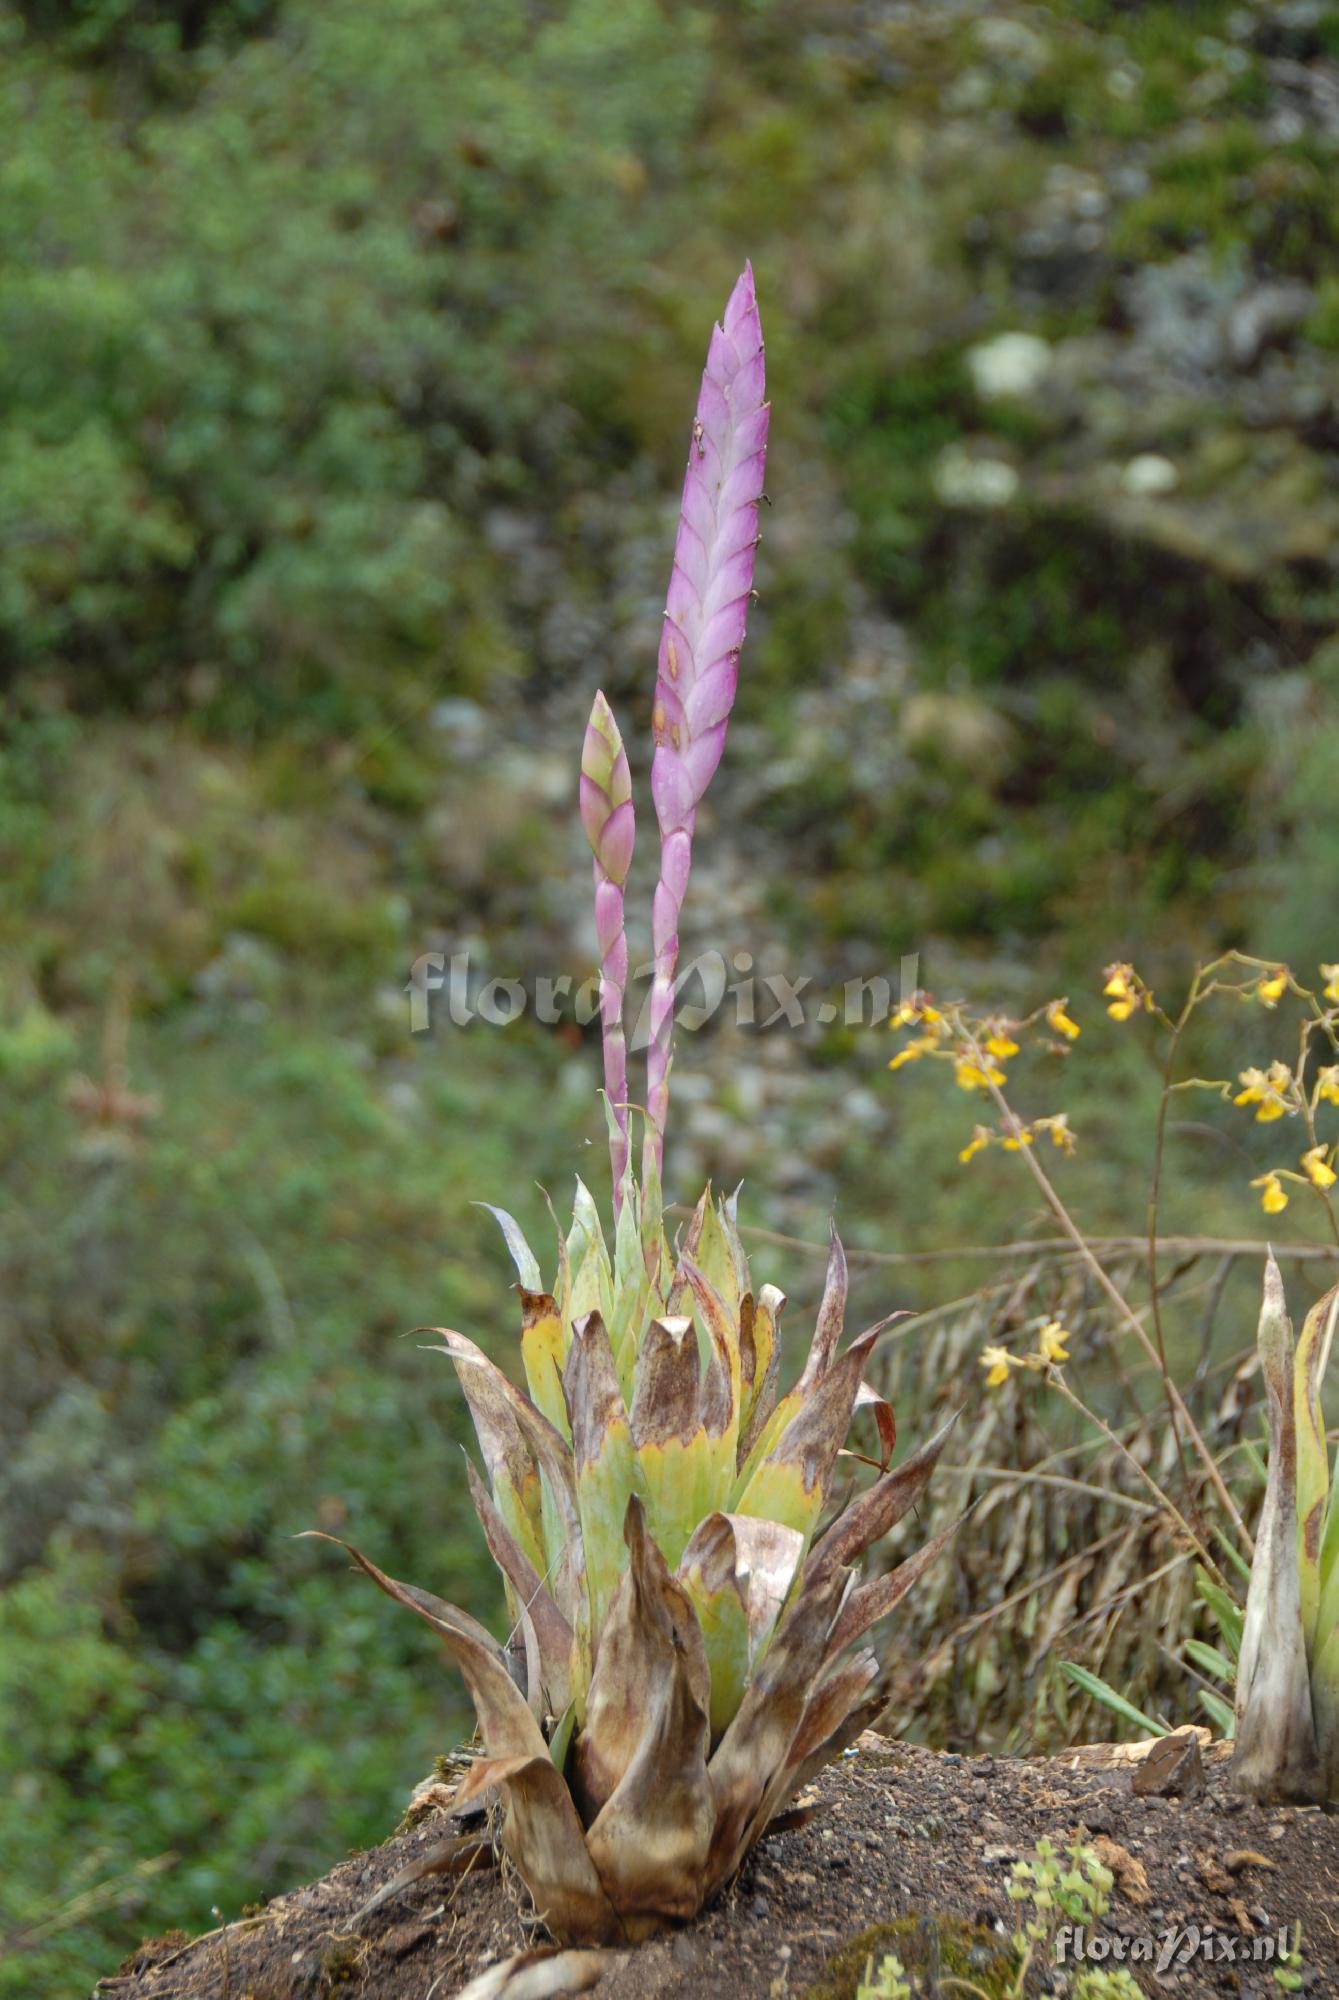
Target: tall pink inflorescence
705, 614
607, 814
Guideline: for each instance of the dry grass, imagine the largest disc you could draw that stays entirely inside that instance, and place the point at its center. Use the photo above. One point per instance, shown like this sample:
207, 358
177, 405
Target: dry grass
1069, 1554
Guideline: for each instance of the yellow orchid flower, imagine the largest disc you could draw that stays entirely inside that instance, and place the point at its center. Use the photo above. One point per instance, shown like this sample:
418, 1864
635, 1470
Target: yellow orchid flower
1122, 991
1000, 1043
1272, 988
913, 1051
1271, 1090
1273, 1194
1060, 1020
1051, 1342
1330, 974
916, 1009
981, 1137
1316, 1166
1059, 1129
997, 1361
970, 1076
1327, 1084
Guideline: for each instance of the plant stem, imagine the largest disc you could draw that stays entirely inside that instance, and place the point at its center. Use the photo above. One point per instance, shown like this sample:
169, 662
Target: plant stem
1062, 1388
1154, 1287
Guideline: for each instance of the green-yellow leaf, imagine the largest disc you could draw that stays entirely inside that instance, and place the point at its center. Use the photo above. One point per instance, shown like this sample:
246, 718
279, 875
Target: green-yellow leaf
1313, 1471
543, 1352
603, 1458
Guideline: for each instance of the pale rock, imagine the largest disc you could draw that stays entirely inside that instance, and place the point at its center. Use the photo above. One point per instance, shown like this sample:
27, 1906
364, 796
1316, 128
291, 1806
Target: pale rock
1012, 364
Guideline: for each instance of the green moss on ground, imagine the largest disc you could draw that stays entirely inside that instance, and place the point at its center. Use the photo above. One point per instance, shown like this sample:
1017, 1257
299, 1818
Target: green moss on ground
967, 1951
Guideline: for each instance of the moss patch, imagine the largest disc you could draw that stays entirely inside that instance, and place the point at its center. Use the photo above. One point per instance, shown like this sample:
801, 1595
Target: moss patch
967, 1951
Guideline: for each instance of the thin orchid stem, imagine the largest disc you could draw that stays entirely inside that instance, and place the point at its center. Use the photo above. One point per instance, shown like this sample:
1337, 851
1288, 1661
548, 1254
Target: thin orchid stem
1164, 1499
1154, 1285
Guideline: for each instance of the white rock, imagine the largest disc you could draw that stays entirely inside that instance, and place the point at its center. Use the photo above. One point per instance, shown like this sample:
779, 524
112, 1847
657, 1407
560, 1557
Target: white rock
1149, 474
1012, 364
862, 1107
963, 481
403, 1096
1013, 44
457, 717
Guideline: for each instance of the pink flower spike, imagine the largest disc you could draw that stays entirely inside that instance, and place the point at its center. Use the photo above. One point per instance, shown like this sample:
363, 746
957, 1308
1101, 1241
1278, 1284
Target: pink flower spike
705, 612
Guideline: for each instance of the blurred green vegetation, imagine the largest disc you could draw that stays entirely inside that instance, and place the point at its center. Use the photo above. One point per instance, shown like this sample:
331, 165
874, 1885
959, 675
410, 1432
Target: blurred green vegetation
345, 358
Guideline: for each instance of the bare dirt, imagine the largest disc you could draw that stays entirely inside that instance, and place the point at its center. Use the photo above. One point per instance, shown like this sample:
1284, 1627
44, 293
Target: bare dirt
907, 1849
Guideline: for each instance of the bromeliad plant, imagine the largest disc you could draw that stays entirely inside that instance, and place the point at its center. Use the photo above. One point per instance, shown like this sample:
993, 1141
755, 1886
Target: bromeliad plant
687, 1632
1287, 1703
